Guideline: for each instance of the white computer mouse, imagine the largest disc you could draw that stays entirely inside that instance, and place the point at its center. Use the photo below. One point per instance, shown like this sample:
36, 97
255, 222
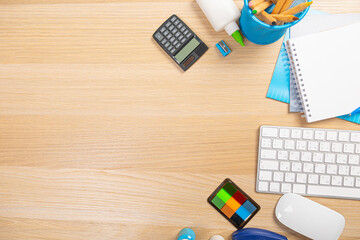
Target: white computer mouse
309, 218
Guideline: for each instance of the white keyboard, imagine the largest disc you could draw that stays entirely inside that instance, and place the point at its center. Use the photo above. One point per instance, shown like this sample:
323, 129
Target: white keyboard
309, 161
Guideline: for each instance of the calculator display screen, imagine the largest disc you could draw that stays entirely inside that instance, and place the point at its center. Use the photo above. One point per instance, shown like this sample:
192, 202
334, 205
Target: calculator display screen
187, 50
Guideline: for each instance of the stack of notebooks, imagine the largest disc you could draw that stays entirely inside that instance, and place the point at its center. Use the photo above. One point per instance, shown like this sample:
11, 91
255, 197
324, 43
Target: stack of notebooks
316, 72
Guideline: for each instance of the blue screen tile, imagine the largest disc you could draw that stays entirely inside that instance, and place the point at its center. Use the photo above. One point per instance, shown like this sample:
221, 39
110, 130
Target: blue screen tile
243, 213
249, 206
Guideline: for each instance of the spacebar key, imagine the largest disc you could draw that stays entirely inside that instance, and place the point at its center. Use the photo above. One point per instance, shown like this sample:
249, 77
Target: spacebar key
334, 191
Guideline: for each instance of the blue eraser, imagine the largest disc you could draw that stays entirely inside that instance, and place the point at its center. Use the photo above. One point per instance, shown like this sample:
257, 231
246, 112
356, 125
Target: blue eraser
223, 48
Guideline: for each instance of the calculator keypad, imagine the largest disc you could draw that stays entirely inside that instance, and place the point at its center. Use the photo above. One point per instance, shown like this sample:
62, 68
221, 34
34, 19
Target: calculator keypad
173, 34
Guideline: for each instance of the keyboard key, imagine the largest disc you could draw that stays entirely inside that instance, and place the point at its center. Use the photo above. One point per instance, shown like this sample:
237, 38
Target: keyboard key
319, 135
278, 176
285, 187
289, 177
349, 181
355, 137
355, 171
284, 166
296, 167
341, 158
283, 155
319, 168
268, 154
330, 157
313, 179
344, 170
333, 191
301, 178
331, 169
263, 186
294, 156
325, 180
269, 165
357, 148
336, 180
274, 187
265, 175
349, 148
284, 133
289, 144
318, 157
308, 134
336, 147
354, 159
325, 147
344, 136
300, 145
299, 188
308, 167
313, 146
269, 132
331, 136
306, 156
357, 184
277, 143
296, 133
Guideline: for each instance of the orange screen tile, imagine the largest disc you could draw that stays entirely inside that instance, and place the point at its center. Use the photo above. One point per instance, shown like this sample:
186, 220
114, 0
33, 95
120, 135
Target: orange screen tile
227, 211
233, 204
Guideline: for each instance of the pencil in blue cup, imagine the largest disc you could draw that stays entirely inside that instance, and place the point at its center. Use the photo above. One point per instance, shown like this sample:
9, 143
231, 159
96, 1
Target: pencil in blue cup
261, 26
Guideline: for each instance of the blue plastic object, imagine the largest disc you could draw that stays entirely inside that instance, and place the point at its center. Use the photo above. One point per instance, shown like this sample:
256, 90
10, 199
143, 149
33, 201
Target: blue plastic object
186, 234
256, 234
223, 48
259, 32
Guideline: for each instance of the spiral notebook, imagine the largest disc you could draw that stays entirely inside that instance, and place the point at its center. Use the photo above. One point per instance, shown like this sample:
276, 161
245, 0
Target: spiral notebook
325, 68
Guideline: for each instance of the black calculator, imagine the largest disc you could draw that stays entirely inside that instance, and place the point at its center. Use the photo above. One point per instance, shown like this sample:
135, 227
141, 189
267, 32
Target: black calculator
179, 42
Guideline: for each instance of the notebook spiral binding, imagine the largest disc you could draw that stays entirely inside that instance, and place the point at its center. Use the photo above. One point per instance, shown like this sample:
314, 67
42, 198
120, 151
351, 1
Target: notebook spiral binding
295, 72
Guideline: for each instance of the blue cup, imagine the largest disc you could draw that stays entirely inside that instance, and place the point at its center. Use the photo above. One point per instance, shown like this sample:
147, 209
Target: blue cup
261, 33
186, 234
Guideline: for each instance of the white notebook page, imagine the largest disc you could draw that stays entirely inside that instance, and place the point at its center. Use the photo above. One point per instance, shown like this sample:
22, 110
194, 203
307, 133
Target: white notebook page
329, 71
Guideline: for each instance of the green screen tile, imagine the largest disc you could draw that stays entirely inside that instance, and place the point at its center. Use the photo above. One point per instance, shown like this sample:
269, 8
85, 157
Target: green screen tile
218, 202
223, 195
230, 188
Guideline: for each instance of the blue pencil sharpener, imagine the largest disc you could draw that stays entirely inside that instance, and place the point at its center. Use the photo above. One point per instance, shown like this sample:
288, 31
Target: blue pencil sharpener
223, 48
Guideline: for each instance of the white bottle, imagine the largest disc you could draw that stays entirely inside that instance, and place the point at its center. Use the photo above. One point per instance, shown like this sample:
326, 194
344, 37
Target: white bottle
222, 14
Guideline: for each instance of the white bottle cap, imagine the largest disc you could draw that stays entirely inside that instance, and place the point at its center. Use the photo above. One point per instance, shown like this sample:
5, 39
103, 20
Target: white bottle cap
216, 237
231, 28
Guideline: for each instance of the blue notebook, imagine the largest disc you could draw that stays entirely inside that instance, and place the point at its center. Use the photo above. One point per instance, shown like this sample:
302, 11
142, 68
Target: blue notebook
279, 88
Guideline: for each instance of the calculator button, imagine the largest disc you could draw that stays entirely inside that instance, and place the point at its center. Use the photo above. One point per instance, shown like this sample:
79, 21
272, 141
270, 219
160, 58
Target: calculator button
162, 29
159, 36
170, 48
180, 25
173, 19
169, 36
168, 24
172, 39
174, 31
163, 41
172, 51
175, 42
166, 32
178, 45
188, 35
171, 27
183, 40
176, 22
183, 28
177, 34
167, 44
181, 37
186, 32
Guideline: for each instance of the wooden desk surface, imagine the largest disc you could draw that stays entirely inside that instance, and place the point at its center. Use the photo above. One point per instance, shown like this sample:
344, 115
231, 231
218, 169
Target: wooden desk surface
103, 137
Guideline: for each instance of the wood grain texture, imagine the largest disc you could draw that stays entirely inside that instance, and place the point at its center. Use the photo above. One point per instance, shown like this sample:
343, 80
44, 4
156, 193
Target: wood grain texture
103, 137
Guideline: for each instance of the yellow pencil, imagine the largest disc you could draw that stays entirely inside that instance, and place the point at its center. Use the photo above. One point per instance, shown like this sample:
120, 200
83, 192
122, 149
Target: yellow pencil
261, 7
254, 3
278, 6
284, 18
266, 18
286, 5
299, 8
